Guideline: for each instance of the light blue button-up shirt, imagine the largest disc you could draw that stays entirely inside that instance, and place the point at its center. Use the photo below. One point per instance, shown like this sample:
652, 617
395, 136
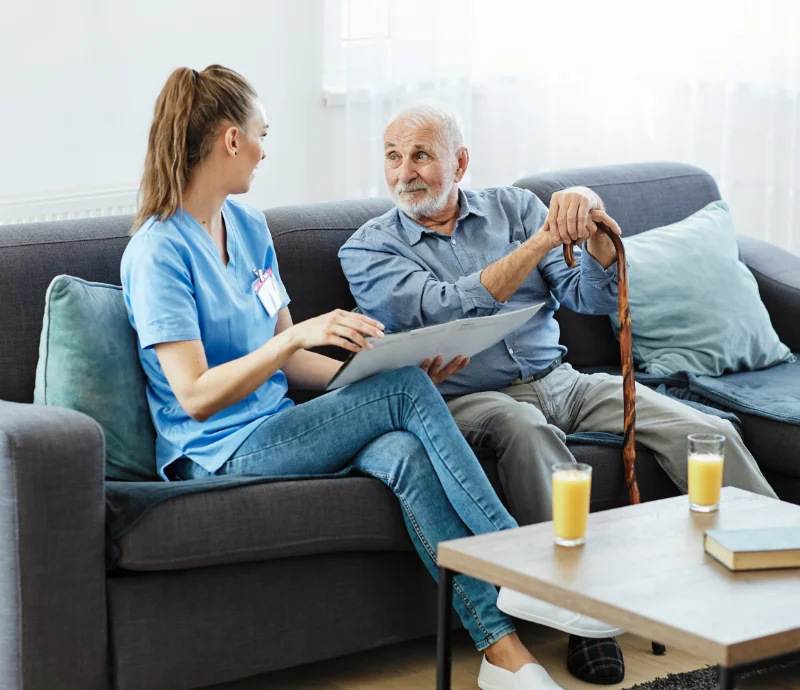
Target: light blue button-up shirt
408, 276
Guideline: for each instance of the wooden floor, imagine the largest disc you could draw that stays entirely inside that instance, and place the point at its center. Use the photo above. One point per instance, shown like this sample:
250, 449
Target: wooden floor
412, 666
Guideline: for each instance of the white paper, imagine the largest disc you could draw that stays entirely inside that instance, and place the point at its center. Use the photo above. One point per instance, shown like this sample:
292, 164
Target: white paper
465, 337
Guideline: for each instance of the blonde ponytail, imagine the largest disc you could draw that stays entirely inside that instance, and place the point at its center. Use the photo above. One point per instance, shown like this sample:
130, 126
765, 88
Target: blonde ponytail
189, 111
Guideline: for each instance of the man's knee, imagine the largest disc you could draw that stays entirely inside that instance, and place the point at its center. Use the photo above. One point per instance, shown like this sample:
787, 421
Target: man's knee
717, 425
519, 423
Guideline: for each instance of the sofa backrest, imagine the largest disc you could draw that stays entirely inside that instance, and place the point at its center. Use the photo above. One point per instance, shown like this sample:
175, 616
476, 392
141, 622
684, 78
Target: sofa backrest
639, 196
307, 239
31, 255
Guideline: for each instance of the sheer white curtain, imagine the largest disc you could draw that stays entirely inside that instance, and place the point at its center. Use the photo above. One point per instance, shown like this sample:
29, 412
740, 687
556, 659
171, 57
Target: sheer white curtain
544, 85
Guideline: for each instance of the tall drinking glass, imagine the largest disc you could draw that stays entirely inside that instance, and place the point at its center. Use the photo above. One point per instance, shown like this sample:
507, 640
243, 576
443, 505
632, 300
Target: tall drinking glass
706, 462
572, 490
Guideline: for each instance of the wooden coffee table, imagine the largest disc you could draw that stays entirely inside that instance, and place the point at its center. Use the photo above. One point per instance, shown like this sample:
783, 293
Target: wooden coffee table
643, 568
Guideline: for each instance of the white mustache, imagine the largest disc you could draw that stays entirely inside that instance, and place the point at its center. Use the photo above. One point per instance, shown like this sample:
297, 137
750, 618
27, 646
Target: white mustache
401, 187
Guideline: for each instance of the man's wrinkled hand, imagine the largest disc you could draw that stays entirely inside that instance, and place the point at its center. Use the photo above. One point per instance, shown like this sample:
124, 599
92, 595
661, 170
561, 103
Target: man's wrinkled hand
585, 226
433, 367
568, 218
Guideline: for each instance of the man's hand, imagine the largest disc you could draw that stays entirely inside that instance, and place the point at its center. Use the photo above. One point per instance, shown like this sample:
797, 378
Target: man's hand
568, 219
573, 218
433, 367
555, 239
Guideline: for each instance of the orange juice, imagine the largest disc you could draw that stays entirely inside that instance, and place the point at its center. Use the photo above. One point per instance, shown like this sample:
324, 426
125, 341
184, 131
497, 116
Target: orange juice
572, 490
705, 480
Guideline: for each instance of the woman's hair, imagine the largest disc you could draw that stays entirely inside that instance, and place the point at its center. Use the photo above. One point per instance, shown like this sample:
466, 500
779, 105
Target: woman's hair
189, 111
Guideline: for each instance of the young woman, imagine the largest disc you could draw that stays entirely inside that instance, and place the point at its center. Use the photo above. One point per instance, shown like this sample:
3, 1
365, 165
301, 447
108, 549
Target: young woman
217, 342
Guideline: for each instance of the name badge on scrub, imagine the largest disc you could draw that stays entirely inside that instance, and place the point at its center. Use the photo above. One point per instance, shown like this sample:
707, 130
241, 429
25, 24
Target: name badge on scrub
268, 291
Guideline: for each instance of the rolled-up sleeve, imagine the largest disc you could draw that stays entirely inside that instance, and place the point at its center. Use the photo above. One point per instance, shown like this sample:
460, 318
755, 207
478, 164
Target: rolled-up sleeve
402, 293
474, 294
588, 288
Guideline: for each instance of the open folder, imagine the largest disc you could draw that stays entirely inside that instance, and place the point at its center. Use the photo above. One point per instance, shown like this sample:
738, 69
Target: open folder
465, 337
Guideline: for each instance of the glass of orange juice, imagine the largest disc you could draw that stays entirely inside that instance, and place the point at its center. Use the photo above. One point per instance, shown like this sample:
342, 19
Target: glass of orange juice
572, 490
706, 461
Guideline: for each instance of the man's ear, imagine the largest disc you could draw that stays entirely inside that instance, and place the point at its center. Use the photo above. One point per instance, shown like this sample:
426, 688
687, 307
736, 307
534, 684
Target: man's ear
462, 156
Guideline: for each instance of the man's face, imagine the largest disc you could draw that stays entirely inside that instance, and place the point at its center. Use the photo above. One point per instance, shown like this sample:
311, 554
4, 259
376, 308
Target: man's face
419, 168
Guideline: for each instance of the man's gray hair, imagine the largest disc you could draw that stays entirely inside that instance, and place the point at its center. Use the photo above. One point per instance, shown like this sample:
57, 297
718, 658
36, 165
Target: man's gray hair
443, 120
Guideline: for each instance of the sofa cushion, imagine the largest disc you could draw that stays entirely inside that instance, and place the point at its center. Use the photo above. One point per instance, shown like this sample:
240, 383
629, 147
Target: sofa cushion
314, 516
266, 521
89, 362
694, 306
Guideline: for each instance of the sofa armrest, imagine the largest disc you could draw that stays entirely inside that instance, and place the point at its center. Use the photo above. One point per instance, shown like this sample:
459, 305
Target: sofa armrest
777, 273
52, 543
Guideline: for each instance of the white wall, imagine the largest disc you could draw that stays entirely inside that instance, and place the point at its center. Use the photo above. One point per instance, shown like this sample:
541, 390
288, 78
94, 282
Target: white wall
79, 80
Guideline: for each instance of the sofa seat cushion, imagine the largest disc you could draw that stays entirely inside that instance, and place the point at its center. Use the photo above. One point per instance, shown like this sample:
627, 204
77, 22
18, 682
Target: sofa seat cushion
312, 516
266, 521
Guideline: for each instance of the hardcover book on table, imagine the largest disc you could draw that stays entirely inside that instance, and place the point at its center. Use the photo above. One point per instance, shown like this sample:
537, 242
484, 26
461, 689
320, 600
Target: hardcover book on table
755, 549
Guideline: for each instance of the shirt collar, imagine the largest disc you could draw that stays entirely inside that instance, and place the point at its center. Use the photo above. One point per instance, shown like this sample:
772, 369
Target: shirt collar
413, 231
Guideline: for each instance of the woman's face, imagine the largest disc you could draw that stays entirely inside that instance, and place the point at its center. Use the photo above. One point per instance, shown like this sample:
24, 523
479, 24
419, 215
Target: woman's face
249, 147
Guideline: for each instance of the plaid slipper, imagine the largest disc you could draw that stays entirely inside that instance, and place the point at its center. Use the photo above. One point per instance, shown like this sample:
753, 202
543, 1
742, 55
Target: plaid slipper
595, 661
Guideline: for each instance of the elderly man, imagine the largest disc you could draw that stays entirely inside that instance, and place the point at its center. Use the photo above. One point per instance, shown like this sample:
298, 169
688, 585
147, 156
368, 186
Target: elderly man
445, 253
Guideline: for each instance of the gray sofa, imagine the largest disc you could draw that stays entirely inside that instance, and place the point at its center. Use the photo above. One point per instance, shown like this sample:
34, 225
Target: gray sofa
222, 585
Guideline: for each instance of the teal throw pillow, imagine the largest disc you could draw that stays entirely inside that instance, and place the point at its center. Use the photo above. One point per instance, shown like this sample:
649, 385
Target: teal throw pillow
89, 361
694, 306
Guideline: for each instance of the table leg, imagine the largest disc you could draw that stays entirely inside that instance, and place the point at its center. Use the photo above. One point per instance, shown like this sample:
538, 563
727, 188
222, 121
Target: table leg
444, 640
725, 679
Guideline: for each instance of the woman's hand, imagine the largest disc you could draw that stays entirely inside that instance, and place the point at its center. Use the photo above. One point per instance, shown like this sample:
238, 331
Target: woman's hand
433, 367
339, 327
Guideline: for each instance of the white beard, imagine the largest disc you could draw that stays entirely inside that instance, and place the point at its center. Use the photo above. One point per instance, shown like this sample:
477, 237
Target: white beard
428, 205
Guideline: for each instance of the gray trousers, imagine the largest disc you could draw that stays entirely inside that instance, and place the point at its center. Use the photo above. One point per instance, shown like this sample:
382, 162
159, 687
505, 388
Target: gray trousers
526, 425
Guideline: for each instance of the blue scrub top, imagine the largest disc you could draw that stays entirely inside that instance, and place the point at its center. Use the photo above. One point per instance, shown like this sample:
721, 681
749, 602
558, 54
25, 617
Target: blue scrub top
177, 288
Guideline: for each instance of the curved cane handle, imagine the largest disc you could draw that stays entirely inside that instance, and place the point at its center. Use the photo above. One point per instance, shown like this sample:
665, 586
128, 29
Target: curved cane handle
626, 355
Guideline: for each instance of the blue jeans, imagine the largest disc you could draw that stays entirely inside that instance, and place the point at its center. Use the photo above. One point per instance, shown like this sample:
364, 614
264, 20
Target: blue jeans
394, 427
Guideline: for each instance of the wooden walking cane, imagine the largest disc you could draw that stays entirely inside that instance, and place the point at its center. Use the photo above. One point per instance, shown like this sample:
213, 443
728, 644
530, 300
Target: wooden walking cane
626, 355
628, 382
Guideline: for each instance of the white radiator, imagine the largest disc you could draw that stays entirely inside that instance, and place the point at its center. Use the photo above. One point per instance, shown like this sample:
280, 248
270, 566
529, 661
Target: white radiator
65, 205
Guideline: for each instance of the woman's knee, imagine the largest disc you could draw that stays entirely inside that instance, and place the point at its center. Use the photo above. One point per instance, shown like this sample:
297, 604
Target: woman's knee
413, 378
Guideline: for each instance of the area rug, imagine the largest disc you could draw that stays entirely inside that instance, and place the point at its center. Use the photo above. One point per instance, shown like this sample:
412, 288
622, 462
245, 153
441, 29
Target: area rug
702, 679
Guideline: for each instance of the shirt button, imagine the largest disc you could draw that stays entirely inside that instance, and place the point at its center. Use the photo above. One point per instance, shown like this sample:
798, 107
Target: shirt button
511, 350
453, 241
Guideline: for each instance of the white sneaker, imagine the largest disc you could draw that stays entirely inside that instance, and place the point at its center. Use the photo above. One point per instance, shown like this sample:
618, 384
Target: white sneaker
537, 611
529, 677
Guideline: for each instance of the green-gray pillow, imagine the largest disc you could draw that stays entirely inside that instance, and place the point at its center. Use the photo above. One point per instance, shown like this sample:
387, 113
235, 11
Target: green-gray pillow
89, 361
694, 306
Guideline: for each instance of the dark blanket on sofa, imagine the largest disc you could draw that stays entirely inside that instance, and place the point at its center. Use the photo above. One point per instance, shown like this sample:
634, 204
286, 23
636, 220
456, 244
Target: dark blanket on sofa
772, 393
